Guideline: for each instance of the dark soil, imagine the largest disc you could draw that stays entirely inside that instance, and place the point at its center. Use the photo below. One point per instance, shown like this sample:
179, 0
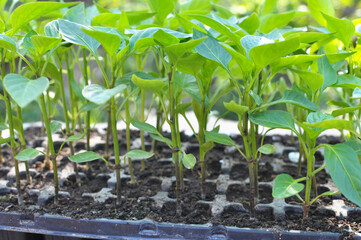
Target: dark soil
137, 203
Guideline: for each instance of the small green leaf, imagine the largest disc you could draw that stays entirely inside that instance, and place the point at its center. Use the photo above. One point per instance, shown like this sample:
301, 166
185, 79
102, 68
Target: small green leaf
139, 154
285, 186
99, 95
219, 138
164, 39
207, 146
343, 29
3, 127
313, 80
236, 108
356, 94
85, 157
75, 137
267, 149
327, 71
144, 126
27, 154
7, 43
333, 123
162, 8
55, 126
42, 44
189, 161
182, 108
294, 60
347, 81
344, 111
255, 97
24, 90
344, 168
159, 139
88, 107
154, 85
108, 39
318, 6
296, 98
176, 51
278, 20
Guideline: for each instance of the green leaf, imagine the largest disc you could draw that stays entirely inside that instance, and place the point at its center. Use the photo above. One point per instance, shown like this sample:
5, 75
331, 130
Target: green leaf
211, 49
42, 44
250, 23
144, 126
298, 99
88, 107
313, 80
109, 40
196, 7
343, 29
73, 33
24, 90
139, 154
7, 43
154, 85
344, 168
278, 20
75, 137
236, 108
76, 14
3, 127
347, 81
182, 108
85, 157
356, 94
356, 146
267, 149
219, 138
164, 39
285, 186
189, 161
55, 126
159, 139
99, 95
344, 111
328, 73
23, 14
178, 50
255, 97
274, 119
268, 7
27, 154
207, 146
318, 6
264, 51
162, 8
294, 60
314, 117
333, 124
5, 140
243, 62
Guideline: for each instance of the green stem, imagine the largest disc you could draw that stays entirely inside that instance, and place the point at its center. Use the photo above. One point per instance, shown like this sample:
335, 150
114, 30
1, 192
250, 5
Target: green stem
23, 143
87, 120
127, 123
51, 147
142, 107
116, 147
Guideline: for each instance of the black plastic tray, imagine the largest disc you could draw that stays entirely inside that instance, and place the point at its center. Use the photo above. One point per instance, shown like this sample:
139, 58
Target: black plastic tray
48, 226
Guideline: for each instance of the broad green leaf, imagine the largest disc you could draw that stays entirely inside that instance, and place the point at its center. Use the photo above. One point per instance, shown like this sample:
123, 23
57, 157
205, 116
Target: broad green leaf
347, 81
310, 37
343, 29
73, 33
189, 161
236, 108
314, 117
196, 7
99, 95
75, 137
296, 98
144, 126
52, 29
264, 54
274, 119
176, 51
55, 126
268, 7
313, 80
107, 19
144, 38
285, 186
136, 17
27, 154
109, 40
155, 85
328, 73
336, 57
23, 14
211, 49
2, 26
24, 90
127, 78
250, 23
243, 62
333, 123
344, 168
162, 8
338, 103
219, 138
139, 154
356, 146
42, 44
191, 63
7, 43
255, 97
277, 20
76, 14
344, 111
267, 149
318, 6
164, 39
85, 157
294, 60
